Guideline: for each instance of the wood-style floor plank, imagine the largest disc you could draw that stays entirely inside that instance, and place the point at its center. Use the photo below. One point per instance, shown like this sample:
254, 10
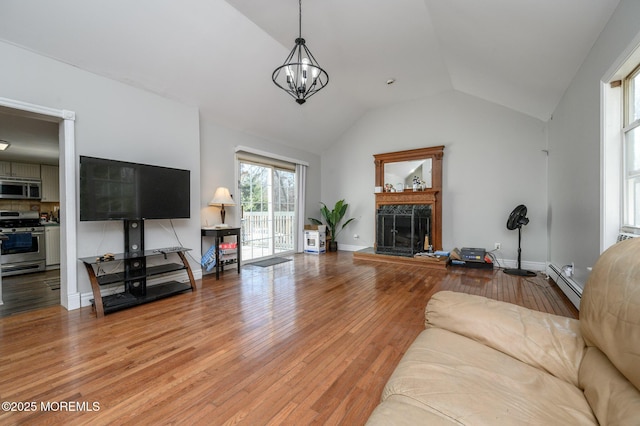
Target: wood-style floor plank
311, 341
27, 292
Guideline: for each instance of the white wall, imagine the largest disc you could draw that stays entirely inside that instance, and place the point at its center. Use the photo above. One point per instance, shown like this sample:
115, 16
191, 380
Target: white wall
493, 161
117, 121
218, 145
574, 145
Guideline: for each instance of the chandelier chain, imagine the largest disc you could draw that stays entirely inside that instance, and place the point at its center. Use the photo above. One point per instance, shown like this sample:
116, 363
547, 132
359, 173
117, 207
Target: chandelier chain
300, 19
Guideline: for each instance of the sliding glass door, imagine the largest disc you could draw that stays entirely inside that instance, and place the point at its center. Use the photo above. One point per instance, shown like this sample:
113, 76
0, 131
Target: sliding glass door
268, 209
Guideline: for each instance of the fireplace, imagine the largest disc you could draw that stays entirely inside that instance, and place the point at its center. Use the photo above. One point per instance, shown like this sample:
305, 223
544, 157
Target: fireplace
408, 207
426, 197
401, 229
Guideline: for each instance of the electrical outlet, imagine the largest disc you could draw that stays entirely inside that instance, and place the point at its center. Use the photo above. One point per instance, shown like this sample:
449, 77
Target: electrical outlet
568, 270
497, 246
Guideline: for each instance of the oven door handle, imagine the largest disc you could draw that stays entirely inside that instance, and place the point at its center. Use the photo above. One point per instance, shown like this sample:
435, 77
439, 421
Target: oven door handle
34, 233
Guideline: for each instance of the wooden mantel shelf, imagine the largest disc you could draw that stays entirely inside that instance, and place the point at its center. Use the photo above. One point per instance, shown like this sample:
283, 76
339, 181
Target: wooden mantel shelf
428, 196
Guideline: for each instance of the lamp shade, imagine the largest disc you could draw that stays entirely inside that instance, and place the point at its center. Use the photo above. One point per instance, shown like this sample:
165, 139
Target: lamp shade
222, 197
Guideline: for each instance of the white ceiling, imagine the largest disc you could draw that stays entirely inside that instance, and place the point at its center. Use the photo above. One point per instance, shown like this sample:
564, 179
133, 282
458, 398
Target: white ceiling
219, 55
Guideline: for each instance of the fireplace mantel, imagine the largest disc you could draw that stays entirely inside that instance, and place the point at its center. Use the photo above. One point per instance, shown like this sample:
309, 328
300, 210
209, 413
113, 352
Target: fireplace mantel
432, 196
428, 196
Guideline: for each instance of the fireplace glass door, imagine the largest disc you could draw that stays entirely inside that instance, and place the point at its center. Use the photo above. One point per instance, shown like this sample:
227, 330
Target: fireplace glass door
401, 229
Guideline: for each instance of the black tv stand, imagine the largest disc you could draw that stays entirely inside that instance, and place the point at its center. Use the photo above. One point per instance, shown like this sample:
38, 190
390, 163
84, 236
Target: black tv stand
136, 272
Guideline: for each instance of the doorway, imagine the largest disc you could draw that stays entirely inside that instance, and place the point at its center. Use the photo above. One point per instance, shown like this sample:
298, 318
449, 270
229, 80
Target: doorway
268, 206
69, 297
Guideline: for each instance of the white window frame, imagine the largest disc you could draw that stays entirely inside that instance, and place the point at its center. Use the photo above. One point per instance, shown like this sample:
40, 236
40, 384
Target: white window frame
630, 178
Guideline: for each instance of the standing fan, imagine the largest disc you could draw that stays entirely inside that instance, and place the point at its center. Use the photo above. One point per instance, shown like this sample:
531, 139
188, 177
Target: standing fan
517, 219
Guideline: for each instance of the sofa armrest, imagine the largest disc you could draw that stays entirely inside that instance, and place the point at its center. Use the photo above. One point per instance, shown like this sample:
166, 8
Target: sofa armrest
549, 342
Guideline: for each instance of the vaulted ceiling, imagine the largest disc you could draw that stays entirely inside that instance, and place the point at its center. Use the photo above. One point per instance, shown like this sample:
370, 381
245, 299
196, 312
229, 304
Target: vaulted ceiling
219, 55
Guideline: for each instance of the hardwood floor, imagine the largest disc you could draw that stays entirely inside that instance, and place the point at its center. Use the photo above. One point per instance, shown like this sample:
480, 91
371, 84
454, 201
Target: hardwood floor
311, 341
29, 292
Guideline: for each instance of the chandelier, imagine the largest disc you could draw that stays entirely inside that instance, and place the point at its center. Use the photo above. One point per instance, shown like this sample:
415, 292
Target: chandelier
300, 76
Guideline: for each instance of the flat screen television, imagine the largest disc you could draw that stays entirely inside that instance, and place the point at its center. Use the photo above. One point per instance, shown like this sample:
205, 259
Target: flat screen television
119, 190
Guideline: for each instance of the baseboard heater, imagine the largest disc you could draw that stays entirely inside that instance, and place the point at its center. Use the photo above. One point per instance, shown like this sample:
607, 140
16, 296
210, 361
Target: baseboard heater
570, 288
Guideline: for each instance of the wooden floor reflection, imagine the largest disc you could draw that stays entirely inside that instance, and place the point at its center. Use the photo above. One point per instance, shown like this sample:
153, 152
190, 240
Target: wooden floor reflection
30, 292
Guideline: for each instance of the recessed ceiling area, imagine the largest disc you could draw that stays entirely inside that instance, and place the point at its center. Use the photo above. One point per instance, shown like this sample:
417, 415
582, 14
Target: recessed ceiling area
32, 139
219, 55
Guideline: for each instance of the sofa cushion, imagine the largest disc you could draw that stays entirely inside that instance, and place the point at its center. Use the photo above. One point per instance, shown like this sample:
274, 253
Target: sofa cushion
613, 399
467, 382
411, 412
549, 342
610, 308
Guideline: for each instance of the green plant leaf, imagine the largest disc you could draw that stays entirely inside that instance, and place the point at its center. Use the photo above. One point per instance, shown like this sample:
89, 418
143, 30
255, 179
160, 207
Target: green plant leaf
333, 217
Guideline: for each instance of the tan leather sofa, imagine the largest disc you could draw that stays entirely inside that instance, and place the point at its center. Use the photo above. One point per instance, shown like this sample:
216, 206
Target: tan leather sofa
484, 362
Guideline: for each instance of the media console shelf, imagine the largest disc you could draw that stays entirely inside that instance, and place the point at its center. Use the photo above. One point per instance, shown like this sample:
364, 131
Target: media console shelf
135, 274
136, 291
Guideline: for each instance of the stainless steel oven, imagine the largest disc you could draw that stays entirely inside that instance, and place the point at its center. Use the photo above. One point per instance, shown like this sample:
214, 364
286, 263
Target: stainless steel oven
24, 249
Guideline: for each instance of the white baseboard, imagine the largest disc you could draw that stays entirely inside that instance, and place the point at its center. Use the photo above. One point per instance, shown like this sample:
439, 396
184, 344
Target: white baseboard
568, 286
529, 266
350, 247
74, 301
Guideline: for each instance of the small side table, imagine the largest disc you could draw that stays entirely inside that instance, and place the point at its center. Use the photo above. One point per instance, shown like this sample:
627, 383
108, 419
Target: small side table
218, 234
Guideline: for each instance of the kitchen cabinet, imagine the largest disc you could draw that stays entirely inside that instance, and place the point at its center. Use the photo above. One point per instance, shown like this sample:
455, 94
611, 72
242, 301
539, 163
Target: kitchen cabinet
52, 245
50, 176
23, 170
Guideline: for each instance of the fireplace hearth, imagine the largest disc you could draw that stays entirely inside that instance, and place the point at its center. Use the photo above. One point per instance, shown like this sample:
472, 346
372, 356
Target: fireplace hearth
401, 229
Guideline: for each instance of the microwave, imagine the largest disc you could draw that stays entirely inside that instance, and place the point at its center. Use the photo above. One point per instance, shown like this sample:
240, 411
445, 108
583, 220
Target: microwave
16, 189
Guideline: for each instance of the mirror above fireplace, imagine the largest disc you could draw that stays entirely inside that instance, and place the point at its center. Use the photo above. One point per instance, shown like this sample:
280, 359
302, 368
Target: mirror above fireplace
404, 174
400, 164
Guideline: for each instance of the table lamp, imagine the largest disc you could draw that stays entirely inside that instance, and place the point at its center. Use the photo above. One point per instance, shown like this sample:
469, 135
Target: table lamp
222, 198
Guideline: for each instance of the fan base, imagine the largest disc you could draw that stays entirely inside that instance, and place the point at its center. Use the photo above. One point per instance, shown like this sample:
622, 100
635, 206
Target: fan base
520, 272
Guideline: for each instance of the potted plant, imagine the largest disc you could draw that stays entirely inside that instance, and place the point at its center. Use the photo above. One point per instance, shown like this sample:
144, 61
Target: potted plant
332, 219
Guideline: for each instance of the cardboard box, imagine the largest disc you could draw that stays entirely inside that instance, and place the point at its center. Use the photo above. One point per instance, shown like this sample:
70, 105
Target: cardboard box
315, 242
319, 228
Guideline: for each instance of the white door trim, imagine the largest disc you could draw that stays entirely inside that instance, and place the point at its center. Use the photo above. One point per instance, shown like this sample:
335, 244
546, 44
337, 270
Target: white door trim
69, 295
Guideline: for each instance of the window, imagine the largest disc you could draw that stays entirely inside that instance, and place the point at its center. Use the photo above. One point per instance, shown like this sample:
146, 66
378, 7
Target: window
631, 131
268, 200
